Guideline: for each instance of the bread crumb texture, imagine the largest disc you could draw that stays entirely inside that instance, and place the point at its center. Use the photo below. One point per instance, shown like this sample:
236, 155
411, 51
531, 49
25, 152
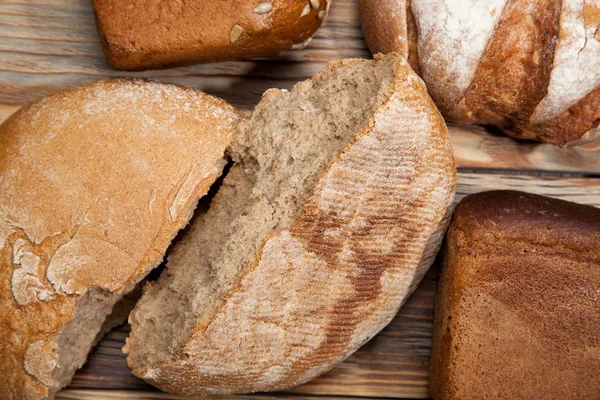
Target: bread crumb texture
94, 183
518, 304
332, 212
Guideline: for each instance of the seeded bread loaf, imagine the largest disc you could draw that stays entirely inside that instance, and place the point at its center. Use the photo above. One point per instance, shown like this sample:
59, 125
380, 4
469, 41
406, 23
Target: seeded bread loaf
332, 212
153, 34
94, 183
530, 67
518, 303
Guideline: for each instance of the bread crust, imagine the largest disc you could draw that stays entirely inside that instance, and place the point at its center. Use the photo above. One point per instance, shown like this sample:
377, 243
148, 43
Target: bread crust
517, 307
566, 128
138, 35
514, 71
94, 183
369, 232
400, 35
531, 69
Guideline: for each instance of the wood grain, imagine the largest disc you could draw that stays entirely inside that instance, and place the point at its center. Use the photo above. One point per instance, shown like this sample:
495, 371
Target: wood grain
395, 362
47, 45
153, 395
480, 149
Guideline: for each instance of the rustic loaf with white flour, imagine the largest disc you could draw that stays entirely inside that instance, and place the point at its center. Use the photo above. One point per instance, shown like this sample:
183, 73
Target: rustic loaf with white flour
530, 67
332, 212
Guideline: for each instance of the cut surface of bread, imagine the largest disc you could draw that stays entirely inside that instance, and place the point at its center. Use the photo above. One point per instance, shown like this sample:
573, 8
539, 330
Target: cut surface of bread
518, 308
95, 181
333, 210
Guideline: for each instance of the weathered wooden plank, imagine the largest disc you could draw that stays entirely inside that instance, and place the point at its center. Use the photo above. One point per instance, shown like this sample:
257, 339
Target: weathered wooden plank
579, 190
154, 395
395, 362
476, 148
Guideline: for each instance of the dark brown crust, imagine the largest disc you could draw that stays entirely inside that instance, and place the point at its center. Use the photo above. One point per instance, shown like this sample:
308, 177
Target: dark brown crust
412, 37
514, 72
399, 35
567, 128
151, 34
517, 309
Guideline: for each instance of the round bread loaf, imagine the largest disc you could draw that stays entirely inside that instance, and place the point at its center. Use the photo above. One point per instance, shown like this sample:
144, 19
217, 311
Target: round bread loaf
153, 34
334, 210
531, 68
95, 182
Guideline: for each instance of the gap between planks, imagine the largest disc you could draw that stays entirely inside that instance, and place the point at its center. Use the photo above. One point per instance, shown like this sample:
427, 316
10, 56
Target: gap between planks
153, 395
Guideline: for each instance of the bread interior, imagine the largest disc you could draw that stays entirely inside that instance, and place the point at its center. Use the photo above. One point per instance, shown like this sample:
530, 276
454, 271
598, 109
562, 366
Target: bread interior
97, 312
279, 154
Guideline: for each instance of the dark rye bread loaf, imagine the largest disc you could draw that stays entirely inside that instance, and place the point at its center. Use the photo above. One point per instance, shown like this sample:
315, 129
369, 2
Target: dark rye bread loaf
518, 305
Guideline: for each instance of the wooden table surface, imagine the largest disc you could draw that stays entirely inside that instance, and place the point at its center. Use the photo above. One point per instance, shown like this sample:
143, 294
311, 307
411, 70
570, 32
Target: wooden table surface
47, 45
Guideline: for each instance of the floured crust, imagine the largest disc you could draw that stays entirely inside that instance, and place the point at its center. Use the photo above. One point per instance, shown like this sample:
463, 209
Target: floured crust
576, 69
528, 67
453, 36
94, 183
149, 34
370, 230
517, 308
522, 46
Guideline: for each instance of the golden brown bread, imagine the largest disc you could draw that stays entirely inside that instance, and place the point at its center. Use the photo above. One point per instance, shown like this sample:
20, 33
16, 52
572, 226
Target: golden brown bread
340, 194
518, 303
532, 68
94, 183
152, 34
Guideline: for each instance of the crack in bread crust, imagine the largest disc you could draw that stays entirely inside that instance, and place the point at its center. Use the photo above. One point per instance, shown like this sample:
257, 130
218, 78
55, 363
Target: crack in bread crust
87, 176
523, 48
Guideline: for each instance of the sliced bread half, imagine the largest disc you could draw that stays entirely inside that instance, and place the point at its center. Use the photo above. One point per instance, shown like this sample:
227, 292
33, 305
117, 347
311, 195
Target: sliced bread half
334, 209
95, 182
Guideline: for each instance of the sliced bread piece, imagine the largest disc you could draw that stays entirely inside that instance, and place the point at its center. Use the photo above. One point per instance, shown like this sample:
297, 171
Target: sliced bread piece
95, 182
333, 211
